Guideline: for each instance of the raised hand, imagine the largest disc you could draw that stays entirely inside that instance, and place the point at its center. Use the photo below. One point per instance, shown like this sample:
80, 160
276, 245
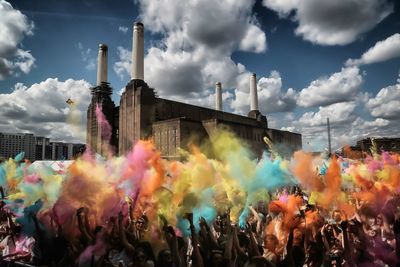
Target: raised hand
203, 222
80, 211
163, 219
120, 216
189, 216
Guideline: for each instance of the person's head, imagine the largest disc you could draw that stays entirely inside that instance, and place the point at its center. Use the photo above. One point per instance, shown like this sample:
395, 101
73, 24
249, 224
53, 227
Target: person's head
217, 257
258, 262
142, 223
367, 214
271, 242
139, 257
243, 240
165, 258
297, 236
17, 229
379, 220
336, 216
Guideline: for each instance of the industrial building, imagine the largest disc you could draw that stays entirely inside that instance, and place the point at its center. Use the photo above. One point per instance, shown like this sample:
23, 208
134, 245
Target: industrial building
141, 114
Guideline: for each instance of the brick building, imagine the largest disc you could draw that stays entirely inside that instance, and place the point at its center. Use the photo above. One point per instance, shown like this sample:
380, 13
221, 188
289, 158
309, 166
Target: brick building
142, 114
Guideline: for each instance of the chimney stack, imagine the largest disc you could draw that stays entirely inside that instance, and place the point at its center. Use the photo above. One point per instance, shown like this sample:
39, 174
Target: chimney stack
218, 96
253, 93
138, 52
102, 64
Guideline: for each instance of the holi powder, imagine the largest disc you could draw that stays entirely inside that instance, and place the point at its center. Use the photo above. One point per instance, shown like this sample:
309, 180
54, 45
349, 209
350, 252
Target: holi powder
103, 123
232, 178
75, 119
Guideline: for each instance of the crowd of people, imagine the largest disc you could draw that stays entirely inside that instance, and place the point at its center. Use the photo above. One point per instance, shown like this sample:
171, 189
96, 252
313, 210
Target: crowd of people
287, 228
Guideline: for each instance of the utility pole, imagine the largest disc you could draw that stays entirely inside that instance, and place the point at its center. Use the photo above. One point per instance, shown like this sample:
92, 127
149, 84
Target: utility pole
329, 136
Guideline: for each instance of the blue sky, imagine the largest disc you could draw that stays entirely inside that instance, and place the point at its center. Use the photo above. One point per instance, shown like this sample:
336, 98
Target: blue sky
297, 48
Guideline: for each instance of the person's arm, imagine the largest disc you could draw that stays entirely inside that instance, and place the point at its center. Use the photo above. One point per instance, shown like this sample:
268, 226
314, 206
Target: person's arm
2, 192
324, 240
347, 248
40, 234
122, 236
113, 228
236, 244
259, 220
197, 258
10, 222
101, 261
172, 241
87, 225
174, 248
308, 236
82, 227
396, 230
228, 251
206, 232
386, 227
253, 251
131, 210
289, 248
38, 230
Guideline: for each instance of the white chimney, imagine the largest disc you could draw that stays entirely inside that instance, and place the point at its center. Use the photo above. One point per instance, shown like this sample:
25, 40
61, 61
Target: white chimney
253, 93
102, 64
218, 96
138, 52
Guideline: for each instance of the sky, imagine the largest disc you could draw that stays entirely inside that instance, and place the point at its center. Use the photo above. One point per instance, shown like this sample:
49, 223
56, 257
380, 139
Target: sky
313, 59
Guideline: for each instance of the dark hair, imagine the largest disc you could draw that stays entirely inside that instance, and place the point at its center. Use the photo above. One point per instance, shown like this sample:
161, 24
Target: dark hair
243, 239
147, 249
258, 262
140, 250
17, 229
162, 253
367, 210
97, 229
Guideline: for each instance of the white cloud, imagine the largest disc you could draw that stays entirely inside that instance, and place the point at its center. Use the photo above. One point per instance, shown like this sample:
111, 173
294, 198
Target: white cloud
312, 125
123, 29
340, 86
337, 113
14, 26
254, 40
383, 50
337, 22
283, 7
386, 104
122, 67
360, 129
347, 125
86, 57
270, 95
199, 39
42, 109
222, 24
379, 122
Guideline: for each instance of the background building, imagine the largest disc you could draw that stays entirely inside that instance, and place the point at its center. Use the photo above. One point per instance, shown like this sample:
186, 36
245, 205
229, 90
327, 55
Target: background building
11, 144
364, 147
173, 125
36, 147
